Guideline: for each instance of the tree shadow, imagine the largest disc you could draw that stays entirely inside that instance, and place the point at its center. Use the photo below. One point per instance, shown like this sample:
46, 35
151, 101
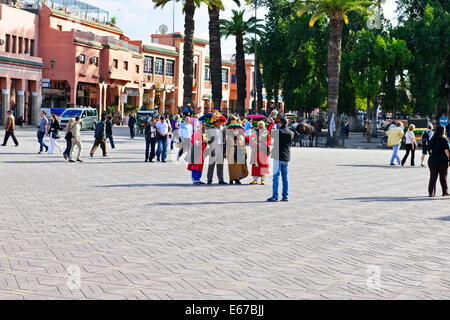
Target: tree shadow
390, 199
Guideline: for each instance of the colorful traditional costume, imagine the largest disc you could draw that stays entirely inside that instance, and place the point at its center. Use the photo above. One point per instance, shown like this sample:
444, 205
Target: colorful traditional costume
236, 153
195, 156
260, 145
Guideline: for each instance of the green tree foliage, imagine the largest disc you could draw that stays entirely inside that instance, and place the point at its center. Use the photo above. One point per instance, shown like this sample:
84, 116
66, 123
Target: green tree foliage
428, 40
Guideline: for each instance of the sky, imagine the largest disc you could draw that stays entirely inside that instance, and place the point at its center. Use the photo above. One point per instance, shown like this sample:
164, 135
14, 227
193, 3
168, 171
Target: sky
139, 18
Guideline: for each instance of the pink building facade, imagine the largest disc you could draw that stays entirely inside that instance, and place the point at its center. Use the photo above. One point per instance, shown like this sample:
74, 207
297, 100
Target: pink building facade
95, 65
61, 56
20, 64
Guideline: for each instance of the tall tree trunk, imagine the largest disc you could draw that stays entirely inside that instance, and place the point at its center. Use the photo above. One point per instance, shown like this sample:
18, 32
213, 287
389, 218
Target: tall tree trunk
334, 68
215, 54
241, 76
259, 86
188, 59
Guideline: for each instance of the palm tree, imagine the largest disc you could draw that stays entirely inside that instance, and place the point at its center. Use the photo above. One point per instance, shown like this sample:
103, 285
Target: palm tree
188, 49
215, 50
337, 11
239, 27
249, 48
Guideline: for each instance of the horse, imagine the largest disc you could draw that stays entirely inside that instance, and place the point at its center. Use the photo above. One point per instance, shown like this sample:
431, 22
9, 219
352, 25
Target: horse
308, 132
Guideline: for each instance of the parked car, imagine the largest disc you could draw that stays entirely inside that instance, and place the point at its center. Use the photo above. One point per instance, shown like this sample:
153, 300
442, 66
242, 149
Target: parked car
142, 118
89, 117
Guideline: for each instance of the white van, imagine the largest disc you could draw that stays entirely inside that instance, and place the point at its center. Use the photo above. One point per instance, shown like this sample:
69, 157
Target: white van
89, 117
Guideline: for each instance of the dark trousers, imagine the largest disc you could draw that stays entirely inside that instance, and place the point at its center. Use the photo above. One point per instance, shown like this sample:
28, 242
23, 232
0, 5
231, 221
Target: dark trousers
111, 140
42, 144
150, 151
10, 133
101, 143
68, 146
409, 149
436, 170
132, 132
211, 167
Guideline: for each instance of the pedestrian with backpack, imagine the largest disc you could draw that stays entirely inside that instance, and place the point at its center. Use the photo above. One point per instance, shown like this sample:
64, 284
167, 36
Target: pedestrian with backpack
426, 137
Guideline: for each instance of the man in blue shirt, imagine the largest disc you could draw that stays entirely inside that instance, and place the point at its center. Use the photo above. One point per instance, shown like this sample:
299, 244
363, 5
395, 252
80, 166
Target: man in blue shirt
186, 131
42, 132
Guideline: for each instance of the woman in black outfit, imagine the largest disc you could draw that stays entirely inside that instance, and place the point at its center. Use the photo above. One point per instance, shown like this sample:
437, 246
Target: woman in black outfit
439, 161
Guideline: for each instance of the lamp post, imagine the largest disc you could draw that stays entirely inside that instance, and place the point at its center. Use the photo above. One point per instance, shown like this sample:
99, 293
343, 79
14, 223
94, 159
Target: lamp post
448, 99
254, 68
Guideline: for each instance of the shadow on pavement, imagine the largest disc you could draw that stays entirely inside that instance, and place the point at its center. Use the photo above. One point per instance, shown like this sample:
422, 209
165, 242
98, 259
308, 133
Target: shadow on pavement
202, 203
160, 185
442, 218
387, 166
390, 199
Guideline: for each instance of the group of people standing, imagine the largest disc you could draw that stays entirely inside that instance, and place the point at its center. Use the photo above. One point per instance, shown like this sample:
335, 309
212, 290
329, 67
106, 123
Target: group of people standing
434, 143
221, 139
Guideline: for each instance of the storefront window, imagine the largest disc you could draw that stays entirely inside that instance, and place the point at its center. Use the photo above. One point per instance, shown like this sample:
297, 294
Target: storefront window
159, 66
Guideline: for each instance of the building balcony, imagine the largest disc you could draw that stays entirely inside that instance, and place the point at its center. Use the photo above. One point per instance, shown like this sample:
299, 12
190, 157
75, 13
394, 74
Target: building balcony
21, 58
89, 38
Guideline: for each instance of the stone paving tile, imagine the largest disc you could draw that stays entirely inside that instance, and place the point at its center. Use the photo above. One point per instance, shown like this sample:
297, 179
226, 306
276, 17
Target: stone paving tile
142, 231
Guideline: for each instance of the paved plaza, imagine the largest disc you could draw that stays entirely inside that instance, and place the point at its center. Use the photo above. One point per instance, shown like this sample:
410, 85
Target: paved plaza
119, 228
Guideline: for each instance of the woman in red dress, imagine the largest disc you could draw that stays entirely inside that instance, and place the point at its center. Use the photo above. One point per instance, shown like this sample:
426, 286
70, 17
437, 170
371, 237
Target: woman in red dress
260, 141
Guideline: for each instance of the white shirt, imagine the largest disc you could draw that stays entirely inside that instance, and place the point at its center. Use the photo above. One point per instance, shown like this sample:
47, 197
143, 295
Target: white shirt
410, 137
163, 128
186, 130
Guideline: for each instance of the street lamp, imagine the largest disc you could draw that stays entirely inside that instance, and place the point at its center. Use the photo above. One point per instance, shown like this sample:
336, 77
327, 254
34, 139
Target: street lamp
109, 73
52, 63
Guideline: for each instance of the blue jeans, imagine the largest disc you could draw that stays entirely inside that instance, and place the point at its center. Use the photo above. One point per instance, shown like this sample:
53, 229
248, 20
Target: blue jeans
162, 148
395, 154
41, 141
111, 140
280, 167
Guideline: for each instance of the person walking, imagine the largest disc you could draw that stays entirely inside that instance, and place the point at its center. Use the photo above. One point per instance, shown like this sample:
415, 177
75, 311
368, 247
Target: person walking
100, 136
68, 137
10, 126
260, 141
109, 131
132, 123
426, 137
42, 132
175, 130
75, 131
54, 134
410, 145
281, 155
162, 130
439, 161
185, 134
150, 140
216, 136
395, 136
